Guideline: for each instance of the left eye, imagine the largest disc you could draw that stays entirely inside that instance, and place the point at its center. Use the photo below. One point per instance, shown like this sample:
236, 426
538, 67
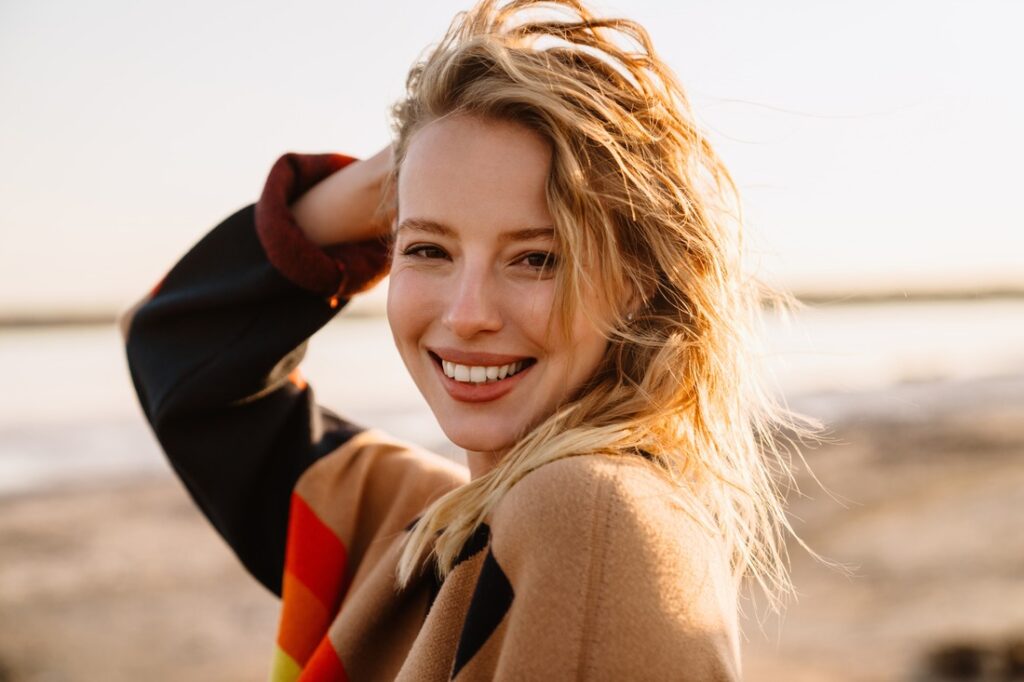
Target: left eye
542, 260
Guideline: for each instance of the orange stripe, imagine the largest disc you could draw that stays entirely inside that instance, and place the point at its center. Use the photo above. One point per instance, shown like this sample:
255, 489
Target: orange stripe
296, 378
315, 555
324, 665
304, 620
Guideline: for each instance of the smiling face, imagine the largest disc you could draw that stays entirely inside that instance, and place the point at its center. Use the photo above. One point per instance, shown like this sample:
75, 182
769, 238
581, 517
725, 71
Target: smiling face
473, 284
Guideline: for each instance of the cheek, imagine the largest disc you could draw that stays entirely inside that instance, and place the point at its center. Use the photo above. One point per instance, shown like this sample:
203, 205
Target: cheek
409, 308
574, 358
529, 309
588, 347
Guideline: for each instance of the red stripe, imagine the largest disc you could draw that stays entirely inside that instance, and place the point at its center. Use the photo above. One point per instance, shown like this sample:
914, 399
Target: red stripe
324, 665
158, 286
315, 555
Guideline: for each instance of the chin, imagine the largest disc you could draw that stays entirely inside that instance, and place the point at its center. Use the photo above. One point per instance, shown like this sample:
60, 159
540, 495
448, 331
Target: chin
477, 442
479, 438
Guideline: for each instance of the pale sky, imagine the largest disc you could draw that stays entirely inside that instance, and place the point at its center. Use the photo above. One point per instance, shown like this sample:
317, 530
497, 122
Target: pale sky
877, 144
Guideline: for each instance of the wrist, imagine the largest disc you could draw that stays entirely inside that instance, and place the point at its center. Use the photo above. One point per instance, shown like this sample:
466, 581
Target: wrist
344, 206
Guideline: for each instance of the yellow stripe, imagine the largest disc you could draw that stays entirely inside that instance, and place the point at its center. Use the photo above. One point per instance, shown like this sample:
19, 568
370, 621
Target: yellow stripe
284, 667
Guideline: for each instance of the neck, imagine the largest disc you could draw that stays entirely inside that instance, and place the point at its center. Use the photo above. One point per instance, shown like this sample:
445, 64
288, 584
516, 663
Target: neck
482, 462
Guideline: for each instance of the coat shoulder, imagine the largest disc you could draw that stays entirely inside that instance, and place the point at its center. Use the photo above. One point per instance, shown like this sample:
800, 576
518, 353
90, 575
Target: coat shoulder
569, 491
619, 549
591, 501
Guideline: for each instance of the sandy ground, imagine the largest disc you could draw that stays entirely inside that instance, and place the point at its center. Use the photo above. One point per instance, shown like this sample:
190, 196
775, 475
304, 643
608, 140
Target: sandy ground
930, 522
126, 581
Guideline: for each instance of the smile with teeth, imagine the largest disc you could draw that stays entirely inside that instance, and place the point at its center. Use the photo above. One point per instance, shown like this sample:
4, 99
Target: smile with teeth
475, 374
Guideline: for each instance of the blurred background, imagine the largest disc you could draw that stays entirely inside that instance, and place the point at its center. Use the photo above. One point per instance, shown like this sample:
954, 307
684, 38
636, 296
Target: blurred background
877, 146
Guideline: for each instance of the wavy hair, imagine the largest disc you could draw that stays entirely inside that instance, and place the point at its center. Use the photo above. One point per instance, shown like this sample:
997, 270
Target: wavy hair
636, 189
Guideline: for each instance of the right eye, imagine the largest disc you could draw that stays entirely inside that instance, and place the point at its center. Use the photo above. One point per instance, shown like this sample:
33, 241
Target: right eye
427, 251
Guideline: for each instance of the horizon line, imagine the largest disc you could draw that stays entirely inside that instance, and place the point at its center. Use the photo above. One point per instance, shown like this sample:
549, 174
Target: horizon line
816, 298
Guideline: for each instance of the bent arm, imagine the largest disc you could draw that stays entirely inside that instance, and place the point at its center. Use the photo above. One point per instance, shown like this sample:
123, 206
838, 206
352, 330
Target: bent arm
213, 352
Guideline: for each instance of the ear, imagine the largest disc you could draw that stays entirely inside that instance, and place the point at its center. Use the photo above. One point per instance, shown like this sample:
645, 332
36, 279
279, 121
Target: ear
634, 304
637, 300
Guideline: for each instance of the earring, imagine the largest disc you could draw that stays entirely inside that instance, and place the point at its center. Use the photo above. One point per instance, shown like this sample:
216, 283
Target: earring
629, 317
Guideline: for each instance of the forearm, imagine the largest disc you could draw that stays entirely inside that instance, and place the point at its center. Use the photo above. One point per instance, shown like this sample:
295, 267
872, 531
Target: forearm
346, 206
212, 352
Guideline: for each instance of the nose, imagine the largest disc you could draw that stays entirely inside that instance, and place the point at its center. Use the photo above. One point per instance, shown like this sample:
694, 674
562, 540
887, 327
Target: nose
473, 306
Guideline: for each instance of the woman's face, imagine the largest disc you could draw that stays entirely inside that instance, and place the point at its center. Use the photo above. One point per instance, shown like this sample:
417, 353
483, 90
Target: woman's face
472, 283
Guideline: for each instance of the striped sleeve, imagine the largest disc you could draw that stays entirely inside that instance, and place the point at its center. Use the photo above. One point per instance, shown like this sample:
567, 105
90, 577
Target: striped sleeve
348, 510
213, 353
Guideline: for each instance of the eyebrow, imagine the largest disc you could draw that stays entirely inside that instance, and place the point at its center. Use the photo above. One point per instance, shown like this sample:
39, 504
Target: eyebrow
434, 227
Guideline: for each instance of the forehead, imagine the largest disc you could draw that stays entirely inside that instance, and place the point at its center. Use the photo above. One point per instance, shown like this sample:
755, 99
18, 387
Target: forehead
474, 173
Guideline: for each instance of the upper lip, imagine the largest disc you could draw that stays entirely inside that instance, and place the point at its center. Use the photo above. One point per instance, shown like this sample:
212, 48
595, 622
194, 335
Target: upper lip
461, 357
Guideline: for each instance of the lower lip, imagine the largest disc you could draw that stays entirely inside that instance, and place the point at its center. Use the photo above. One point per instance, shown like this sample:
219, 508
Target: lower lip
478, 393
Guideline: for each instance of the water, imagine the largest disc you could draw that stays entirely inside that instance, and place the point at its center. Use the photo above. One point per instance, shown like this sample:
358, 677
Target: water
873, 346
71, 415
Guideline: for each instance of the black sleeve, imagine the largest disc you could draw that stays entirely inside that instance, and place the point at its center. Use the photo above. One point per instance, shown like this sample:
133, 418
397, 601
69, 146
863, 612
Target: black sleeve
213, 353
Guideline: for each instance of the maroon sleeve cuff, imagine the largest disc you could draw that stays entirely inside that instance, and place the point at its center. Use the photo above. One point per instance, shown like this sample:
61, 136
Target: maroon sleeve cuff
335, 272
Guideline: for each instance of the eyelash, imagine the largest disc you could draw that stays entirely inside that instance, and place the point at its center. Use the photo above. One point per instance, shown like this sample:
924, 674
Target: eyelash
550, 260
417, 250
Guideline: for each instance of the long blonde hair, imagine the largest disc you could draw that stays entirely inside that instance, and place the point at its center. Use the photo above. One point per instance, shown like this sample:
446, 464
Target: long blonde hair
635, 188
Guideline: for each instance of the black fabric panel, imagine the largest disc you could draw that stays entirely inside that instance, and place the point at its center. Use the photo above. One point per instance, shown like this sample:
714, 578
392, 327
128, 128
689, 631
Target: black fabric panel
492, 598
210, 356
474, 544
433, 589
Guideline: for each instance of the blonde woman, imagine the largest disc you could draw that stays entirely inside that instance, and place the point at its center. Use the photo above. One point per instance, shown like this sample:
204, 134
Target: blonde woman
567, 293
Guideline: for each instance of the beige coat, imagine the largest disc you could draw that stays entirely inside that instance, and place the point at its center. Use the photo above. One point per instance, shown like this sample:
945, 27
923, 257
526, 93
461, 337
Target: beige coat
587, 570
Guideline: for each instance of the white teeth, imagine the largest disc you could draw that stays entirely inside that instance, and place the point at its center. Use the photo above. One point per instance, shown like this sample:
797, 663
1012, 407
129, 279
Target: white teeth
477, 374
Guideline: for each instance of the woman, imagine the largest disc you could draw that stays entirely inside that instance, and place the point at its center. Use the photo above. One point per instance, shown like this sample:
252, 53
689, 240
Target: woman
566, 292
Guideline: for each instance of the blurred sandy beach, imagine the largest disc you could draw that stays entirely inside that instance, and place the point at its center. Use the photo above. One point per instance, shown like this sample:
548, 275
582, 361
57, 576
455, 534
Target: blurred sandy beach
929, 518
109, 572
